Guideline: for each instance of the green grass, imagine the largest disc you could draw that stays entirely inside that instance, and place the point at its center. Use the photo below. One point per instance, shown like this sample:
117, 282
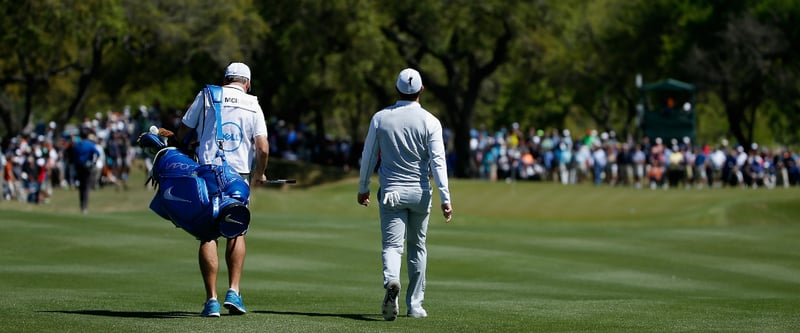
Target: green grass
522, 257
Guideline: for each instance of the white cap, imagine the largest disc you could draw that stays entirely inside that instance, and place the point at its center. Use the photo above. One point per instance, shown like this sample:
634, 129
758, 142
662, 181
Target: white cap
409, 82
238, 69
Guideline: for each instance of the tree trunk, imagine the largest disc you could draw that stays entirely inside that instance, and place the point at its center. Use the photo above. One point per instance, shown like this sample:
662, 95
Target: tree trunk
461, 138
735, 119
85, 80
10, 124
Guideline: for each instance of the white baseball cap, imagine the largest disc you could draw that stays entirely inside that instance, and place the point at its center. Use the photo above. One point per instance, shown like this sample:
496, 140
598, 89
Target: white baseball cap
409, 82
238, 69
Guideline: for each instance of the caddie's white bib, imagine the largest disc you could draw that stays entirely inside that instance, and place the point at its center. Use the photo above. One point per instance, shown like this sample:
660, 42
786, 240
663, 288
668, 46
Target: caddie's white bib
242, 121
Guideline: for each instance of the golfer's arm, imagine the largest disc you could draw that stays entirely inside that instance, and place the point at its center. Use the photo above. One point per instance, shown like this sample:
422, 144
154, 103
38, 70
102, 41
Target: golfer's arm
369, 158
438, 163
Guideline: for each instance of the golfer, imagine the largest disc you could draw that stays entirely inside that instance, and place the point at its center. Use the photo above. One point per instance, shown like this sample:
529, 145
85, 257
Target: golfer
245, 144
408, 141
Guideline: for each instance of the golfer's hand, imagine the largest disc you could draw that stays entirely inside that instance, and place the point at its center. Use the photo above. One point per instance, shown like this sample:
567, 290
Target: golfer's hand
363, 199
447, 211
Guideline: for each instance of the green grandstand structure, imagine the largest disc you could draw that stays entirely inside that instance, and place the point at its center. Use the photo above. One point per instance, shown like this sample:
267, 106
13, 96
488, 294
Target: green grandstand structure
666, 109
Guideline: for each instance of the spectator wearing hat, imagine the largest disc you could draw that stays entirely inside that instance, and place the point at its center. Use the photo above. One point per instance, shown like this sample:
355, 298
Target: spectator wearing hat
599, 160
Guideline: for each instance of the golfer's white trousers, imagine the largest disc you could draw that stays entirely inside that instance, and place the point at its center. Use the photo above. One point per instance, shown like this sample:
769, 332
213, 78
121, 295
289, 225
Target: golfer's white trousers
405, 212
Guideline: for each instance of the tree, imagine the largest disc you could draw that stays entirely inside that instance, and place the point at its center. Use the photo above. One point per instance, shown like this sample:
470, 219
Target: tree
458, 46
783, 85
602, 46
50, 41
737, 64
325, 65
61, 50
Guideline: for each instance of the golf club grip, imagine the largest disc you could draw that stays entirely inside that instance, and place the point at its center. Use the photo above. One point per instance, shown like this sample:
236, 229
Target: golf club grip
282, 181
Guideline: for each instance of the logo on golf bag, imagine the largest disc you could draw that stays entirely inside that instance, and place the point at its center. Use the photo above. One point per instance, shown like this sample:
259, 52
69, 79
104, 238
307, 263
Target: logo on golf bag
169, 196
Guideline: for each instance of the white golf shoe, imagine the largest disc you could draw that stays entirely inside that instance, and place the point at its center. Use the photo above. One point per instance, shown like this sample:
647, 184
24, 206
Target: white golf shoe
417, 313
390, 307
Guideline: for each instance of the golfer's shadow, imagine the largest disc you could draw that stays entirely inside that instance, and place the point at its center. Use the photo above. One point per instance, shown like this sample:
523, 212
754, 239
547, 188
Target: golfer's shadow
130, 314
353, 316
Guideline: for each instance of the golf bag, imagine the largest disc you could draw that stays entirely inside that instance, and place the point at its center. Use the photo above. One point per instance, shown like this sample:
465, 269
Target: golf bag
207, 201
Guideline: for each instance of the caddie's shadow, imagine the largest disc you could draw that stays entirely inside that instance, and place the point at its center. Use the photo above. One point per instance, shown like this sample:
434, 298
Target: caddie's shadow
131, 314
183, 314
353, 316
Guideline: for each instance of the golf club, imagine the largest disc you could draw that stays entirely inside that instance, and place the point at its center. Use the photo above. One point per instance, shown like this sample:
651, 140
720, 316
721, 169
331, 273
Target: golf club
281, 181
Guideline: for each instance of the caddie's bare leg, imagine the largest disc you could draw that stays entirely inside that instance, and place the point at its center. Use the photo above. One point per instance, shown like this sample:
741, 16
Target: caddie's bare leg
209, 265
234, 256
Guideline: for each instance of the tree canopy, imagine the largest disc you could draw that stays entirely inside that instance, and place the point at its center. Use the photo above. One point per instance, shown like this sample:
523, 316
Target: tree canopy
545, 64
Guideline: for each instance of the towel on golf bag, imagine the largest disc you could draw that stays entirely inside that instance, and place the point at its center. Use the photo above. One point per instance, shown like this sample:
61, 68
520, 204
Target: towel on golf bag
208, 201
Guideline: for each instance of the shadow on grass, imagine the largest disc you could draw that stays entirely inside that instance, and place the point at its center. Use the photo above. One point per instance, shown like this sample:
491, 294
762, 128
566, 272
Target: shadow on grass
353, 316
131, 314
181, 314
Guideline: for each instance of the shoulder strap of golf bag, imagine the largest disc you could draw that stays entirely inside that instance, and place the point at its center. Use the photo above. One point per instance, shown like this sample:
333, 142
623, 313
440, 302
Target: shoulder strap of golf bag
214, 96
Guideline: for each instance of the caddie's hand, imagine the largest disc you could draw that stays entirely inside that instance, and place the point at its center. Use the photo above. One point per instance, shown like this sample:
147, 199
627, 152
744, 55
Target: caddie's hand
447, 211
259, 180
363, 199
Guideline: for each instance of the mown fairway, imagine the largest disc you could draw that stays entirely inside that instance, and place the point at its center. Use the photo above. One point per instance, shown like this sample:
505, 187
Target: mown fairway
523, 257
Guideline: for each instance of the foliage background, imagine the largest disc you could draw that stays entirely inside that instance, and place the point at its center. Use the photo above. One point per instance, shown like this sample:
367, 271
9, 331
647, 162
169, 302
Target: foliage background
331, 64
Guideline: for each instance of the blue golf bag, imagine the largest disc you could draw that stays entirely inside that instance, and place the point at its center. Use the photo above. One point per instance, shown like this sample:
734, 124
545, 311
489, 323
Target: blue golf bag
208, 201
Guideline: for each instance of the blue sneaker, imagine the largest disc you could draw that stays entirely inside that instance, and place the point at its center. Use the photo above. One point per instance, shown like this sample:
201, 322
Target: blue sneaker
233, 302
210, 309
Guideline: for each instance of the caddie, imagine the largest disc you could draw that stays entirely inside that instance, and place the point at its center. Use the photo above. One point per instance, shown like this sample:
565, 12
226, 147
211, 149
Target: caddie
243, 140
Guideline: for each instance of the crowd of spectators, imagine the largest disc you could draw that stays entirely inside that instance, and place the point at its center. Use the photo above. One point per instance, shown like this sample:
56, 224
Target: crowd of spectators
604, 159
34, 163
41, 159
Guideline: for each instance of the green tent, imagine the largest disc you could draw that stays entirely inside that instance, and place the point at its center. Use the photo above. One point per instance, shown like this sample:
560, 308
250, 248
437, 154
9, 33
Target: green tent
666, 110
669, 85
